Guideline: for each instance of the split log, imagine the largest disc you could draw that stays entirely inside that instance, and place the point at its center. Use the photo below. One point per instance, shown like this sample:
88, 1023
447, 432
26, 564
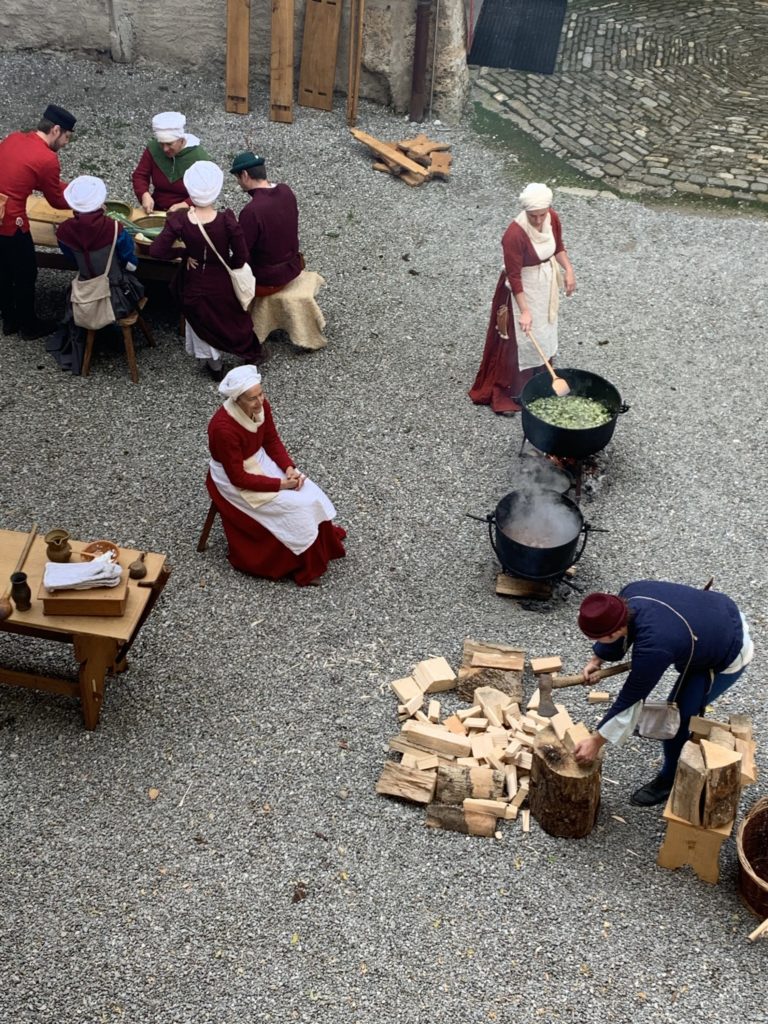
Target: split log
410, 784
748, 767
721, 796
510, 682
740, 726
436, 739
455, 785
456, 819
690, 780
564, 795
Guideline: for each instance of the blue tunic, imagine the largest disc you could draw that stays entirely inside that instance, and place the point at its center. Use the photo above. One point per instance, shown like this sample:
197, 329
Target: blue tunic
660, 638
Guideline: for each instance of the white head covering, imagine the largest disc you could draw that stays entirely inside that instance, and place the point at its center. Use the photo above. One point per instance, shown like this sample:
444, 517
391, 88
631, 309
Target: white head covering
86, 193
169, 126
241, 379
203, 182
536, 196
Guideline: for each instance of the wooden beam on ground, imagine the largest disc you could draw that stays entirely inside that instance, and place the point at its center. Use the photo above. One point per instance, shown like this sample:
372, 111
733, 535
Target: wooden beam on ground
281, 63
386, 149
238, 55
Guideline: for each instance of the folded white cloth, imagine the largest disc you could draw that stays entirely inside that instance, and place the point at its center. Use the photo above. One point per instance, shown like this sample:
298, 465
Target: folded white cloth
101, 572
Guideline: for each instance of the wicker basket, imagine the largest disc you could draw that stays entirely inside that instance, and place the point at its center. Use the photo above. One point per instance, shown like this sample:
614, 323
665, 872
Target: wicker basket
752, 848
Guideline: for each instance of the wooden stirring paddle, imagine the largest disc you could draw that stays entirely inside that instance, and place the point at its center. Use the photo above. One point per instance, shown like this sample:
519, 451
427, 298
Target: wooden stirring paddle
559, 386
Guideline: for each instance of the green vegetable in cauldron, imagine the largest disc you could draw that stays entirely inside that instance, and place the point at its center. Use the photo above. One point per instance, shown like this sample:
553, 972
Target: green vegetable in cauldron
573, 412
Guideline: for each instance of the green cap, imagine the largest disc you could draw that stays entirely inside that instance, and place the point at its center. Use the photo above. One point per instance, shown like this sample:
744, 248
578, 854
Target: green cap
244, 161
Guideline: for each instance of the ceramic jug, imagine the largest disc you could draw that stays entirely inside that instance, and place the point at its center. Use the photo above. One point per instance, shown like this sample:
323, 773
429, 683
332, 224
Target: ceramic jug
58, 549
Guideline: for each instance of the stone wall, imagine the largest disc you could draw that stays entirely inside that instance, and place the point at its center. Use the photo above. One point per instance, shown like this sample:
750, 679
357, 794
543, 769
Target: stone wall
193, 33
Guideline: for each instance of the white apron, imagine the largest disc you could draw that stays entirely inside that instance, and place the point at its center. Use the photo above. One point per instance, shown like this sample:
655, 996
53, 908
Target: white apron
541, 286
293, 517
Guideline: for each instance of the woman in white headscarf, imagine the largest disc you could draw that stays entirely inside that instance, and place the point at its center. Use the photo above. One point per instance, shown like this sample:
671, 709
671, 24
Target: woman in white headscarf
215, 320
528, 291
278, 522
158, 178
87, 240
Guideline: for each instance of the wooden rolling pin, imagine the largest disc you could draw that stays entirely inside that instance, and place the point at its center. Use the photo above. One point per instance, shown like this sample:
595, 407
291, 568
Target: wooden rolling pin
601, 673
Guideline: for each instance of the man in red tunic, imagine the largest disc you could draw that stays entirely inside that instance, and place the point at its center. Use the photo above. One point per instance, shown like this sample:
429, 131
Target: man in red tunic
270, 223
28, 163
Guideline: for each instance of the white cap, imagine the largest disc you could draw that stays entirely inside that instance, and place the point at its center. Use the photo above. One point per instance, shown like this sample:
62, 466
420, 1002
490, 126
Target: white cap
169, 126
241, 379
86, 193
536, 196
203, 182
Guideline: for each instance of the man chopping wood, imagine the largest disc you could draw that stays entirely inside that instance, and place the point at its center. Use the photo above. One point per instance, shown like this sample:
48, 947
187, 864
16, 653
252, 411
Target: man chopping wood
270, 223
700, 632
28, 163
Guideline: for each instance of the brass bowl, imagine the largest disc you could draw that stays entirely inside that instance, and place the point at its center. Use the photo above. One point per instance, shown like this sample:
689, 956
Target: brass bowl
153, 220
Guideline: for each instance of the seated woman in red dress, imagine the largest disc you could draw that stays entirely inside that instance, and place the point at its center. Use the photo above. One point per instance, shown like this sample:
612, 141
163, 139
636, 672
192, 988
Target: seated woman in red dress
278, 522
527, 290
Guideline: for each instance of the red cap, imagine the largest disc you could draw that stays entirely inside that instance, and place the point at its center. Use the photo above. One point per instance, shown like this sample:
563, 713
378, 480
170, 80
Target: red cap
602, 614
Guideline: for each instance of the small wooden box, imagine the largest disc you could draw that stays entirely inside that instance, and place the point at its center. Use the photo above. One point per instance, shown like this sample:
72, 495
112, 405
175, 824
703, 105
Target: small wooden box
102, 601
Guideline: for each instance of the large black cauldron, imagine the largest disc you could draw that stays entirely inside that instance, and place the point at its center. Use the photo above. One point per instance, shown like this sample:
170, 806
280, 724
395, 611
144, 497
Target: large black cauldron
564, 441
537, 533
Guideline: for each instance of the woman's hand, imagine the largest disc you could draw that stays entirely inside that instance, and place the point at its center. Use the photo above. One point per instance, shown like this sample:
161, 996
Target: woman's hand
147, 203
294, 478
570, 282
289, 483
525, 321
592, 665
178, 206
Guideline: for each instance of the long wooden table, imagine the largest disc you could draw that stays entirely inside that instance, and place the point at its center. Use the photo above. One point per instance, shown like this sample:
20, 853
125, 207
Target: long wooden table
43, 219
100, 643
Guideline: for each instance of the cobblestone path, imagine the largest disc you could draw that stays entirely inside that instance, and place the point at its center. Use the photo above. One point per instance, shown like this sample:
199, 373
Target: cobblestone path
656, 95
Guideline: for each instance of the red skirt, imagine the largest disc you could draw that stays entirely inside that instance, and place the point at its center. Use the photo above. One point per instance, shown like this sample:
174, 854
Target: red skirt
499, 382
253, 549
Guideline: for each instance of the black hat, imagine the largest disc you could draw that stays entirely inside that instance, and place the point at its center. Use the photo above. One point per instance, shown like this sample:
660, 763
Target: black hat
59, 116
244, 161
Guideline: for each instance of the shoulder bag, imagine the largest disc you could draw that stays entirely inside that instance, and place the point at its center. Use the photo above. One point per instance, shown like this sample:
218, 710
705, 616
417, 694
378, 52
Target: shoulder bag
243, 281
660, 720
92, 299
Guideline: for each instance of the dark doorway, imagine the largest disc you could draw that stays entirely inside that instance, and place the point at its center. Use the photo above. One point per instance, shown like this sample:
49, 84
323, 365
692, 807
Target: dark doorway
520, 34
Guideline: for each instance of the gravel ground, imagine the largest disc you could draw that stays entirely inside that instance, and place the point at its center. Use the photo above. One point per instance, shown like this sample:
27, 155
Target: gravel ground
257, 710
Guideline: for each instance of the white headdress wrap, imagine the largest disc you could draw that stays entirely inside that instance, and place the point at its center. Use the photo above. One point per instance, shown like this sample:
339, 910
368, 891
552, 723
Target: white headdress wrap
203, 182
169, 126
239, 380
536, 196
86, 193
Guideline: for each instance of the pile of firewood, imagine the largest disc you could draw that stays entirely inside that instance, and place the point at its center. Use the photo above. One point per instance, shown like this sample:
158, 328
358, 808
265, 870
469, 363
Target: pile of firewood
471, 768
414, 161
713, 767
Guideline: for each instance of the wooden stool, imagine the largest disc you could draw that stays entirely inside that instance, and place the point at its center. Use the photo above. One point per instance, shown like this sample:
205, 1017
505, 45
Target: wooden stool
126, 326
202, 544
689, 844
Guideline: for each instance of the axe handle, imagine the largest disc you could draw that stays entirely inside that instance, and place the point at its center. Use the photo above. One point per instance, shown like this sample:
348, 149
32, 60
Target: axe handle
601, 673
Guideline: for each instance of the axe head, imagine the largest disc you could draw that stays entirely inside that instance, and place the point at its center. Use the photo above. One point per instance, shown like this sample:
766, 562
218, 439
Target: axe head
546, 706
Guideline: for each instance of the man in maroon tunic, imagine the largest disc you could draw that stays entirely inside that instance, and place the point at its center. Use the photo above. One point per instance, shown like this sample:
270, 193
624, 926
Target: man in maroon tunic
28, 163
270, 223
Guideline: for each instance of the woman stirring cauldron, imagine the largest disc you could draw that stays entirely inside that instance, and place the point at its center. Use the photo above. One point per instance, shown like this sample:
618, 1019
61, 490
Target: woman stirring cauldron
528, 289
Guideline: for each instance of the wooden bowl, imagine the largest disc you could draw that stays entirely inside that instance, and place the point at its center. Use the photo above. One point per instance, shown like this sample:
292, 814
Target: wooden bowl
100, 547
152, 220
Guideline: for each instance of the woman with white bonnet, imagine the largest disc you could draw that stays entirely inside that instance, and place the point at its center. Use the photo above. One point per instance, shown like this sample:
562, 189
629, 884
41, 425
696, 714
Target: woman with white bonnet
526, 299
278, 522
158, 178
215, 320
87, 239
